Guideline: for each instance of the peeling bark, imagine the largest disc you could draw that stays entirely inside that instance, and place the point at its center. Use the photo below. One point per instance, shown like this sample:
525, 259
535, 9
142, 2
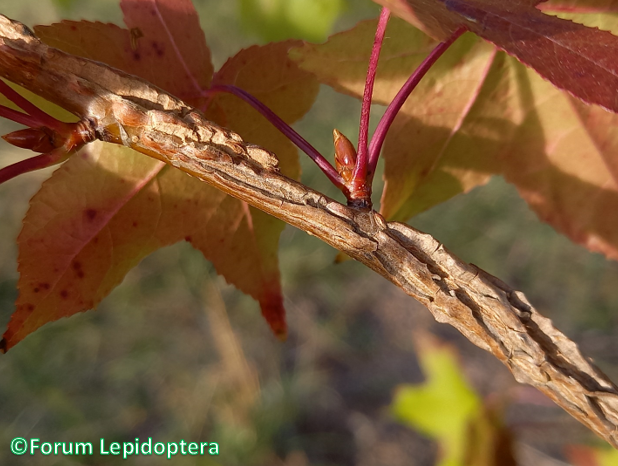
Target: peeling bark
123, 109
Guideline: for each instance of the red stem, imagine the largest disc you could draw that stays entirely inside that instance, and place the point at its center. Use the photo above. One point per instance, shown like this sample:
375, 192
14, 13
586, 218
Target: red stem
19, 117
361, 169
286, 129
34, 163
37, 115
389, 116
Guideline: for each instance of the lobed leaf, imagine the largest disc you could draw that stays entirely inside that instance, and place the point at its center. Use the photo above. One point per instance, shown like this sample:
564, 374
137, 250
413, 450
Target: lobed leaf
447, 409
268, 74
575, 58
479, 112
562, 160
445, 139
110, 207
580, 6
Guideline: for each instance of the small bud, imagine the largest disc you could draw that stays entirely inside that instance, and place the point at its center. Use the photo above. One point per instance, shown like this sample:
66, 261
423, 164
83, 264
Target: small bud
345, 155
36, 139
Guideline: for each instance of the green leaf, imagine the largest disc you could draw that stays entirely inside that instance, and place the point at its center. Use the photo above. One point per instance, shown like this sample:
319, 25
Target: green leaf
448, 410
443, 406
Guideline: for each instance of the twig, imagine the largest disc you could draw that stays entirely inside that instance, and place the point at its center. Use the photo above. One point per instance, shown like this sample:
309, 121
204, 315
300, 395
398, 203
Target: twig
126, 110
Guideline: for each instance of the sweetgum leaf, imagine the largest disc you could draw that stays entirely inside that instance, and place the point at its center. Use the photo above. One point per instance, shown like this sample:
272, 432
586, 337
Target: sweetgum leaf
562, 160
448, 135
170, 31
447, 409
573, 57
110, 206
476, 113
164, 45
341, 62
580, 6
445, 139
268, 74
602, 14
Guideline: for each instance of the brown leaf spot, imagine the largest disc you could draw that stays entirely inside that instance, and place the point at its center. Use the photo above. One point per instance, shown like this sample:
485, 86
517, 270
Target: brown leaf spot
90, 214
188, 238
3, 345
134, 224
64, 294
136, 55
77, 266
158, 48
35, 289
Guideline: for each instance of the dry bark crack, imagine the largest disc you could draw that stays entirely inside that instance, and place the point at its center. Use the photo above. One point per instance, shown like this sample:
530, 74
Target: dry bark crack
123, 109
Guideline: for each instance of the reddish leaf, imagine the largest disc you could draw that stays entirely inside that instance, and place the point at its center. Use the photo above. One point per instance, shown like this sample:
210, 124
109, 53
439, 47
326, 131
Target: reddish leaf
478, 113
592, 13
341, 62
562, 160
573, 57
168, 33
164, 45
580, 6
447, 136
111, 207
269, 75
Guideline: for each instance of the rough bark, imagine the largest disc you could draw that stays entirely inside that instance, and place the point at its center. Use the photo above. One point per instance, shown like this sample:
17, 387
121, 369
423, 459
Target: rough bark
123, 109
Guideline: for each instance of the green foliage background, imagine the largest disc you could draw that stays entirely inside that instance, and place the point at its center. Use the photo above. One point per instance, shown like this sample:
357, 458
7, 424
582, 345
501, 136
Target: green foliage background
175, 353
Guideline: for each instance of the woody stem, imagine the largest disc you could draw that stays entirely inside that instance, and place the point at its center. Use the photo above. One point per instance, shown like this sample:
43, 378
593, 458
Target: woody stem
286, 129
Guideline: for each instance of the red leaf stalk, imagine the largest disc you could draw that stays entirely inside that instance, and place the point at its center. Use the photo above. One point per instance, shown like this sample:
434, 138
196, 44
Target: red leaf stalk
287, 130
37, 117
58, 155
359, 182
391, 112
58, 146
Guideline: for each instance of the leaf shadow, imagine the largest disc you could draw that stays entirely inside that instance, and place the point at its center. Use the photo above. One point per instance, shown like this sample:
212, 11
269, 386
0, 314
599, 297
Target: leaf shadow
577, 208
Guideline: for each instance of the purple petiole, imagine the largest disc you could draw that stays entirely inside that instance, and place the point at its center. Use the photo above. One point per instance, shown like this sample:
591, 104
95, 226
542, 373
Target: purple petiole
377, 140
57, 155
358, 189
286, 129
361, 169
34, 117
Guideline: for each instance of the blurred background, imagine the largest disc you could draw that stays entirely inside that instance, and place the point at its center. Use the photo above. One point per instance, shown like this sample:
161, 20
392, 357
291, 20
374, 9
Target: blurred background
175, 353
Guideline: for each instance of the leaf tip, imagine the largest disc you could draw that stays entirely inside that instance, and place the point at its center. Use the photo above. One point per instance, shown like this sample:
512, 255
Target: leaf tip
273, 311
281, 334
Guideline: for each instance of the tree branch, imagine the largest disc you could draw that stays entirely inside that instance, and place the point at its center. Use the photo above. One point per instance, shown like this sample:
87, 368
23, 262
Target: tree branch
123, 109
